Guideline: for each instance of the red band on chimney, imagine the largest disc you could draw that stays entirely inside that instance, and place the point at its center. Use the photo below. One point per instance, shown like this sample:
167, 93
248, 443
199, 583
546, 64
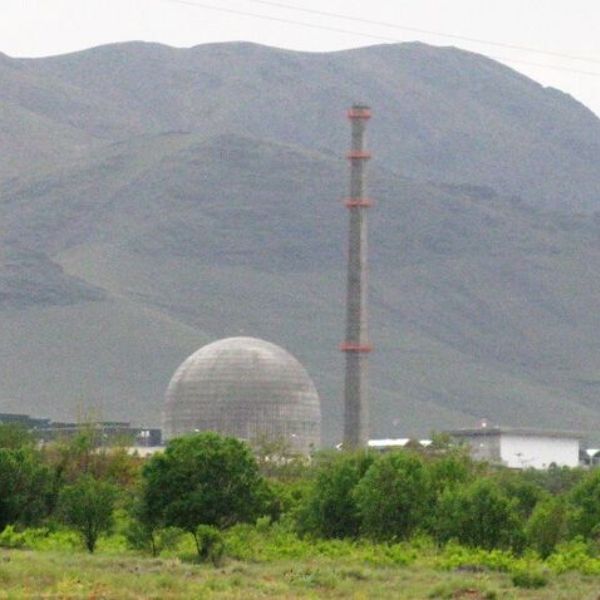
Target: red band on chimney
359, 113
358, 154
351, 347
364, 202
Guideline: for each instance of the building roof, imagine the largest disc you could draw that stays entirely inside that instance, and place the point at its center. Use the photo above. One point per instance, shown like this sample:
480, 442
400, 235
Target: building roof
396, 442
518, 431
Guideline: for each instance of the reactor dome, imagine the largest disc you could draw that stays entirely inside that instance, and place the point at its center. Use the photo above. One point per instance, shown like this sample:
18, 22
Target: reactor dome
246, 388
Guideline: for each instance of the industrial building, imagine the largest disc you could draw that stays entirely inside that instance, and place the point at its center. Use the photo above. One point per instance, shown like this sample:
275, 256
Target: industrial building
521, 448
104, 432
247, 388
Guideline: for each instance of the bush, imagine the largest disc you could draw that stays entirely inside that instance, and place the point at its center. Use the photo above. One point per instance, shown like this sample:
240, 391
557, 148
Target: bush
9, 538
480, 515
547, 526
152, 540
393, 496
462, 589
210, 544
330, 509
573, 555
450, 471
525, 492
585, 500
556, 480
455, 556
25, 487
529, 578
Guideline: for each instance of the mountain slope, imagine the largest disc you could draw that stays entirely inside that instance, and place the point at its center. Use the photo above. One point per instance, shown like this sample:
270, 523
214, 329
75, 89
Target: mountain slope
481, 307
187, 195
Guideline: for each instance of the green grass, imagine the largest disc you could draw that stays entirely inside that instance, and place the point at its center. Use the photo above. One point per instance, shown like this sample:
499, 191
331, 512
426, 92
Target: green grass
276, 564
270, 561
30, 574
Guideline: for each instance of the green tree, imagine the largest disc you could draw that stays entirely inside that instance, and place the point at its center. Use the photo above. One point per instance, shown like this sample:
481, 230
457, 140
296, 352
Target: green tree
479, 515
525, 491
555, 480
394, 496
450, 471
548, 525
585, 500
25, 486
87, 506
330, 509
204, 479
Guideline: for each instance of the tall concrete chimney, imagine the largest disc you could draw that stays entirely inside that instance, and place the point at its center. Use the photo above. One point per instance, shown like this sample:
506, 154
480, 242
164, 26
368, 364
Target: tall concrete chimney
356, 345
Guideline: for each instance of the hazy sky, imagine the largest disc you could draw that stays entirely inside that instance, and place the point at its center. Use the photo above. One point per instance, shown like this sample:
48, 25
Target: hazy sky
568, 31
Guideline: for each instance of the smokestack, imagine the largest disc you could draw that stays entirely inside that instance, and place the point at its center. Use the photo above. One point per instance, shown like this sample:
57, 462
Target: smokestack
356, 346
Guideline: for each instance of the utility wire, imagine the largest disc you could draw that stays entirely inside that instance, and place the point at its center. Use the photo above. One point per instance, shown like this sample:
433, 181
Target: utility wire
323, 13
372, 36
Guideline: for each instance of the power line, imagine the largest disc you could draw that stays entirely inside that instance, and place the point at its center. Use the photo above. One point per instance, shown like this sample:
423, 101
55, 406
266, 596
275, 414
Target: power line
323, 13
372, 36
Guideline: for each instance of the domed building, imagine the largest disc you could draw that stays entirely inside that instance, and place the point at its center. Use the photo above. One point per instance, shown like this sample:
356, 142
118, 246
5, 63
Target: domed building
247, 388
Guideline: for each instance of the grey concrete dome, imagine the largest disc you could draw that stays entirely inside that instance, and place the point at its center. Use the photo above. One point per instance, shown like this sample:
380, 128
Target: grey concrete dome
247, 388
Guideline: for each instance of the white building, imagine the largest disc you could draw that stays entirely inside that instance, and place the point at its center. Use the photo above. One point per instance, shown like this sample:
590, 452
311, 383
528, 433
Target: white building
521, 448
394, 443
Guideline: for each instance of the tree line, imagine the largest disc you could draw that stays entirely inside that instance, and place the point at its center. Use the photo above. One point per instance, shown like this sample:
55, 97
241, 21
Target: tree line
205, 483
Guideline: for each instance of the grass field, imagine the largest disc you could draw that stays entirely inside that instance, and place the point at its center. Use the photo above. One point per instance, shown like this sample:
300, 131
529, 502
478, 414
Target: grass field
34, 574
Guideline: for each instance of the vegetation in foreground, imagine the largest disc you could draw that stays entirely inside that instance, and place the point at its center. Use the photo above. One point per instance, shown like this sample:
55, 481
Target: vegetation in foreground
285, 567
211, 515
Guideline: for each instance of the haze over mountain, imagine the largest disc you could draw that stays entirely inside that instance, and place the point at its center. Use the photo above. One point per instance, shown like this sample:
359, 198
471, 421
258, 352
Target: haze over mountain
153, 199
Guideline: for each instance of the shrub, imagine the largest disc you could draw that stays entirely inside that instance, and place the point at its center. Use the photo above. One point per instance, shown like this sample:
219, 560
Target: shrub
209, 543
450, 471
480, 515
455, 556
585, 500
393, 496
462, 589
525, 492
152, 540
9, 538
547, 526
556, 480
573, 555
24, 487
330, 509
529, 578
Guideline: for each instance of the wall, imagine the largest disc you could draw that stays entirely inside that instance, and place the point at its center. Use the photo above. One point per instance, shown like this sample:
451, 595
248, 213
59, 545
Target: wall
523, 452
484, 447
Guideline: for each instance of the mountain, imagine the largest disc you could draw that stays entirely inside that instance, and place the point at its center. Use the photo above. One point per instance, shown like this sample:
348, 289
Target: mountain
158, 198
442, 114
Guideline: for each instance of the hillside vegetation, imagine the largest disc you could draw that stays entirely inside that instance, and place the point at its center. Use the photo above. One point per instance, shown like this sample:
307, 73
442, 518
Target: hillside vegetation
153, 199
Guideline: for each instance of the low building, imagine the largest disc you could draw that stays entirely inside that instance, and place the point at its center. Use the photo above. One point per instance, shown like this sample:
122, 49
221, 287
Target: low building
22, 420
521, 448
104, 432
